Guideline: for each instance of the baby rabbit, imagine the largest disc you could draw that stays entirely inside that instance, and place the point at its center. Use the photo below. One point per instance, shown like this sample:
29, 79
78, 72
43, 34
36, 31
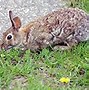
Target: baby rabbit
65, 27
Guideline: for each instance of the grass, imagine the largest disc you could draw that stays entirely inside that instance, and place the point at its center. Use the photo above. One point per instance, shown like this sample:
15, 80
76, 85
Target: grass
83, 4
43, 71
25, 70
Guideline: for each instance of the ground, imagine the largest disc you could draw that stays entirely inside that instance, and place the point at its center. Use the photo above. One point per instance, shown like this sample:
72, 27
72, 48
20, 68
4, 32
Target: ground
33, 71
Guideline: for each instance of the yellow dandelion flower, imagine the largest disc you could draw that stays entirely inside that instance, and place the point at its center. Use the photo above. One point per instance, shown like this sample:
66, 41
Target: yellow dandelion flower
64, 80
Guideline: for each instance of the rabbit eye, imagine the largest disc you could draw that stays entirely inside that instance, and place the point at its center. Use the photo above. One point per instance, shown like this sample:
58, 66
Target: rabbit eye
9, 37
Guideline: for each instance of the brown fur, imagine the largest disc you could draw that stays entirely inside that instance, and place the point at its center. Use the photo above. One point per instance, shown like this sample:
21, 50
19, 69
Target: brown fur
67, 25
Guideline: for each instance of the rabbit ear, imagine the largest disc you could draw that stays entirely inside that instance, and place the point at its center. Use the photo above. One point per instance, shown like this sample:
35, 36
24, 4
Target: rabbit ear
16, 22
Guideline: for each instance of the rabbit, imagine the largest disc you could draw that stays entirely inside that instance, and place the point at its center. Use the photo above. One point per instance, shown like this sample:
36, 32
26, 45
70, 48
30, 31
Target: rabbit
63, 29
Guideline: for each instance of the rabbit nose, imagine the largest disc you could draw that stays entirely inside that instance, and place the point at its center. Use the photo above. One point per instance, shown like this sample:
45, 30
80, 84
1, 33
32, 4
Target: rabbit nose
10, 46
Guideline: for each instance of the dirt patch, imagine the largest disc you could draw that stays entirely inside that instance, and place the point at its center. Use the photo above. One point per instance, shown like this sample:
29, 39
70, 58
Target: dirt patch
18, 81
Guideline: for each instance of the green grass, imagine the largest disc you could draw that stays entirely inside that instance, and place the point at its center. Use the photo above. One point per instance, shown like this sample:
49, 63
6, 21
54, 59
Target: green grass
43, 71
83, 4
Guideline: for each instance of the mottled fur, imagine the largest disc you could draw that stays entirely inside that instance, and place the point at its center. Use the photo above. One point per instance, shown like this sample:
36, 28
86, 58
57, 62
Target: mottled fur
67, 25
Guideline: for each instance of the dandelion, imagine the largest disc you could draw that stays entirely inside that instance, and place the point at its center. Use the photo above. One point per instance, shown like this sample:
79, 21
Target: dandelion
64, 80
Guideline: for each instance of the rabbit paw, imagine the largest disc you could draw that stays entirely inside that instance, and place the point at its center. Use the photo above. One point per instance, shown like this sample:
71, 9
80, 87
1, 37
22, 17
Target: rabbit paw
61, 47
